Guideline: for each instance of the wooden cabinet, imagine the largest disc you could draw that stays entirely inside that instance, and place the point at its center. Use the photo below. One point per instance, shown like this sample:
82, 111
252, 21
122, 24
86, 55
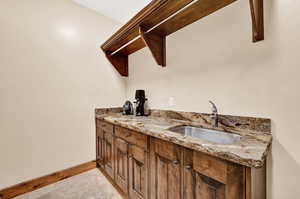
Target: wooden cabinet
132, 137
131, 163
138, 173
207, 177
165, 170
143, 167
99, 147
121, 164
105, 147
198, 186
207, 188
108, 144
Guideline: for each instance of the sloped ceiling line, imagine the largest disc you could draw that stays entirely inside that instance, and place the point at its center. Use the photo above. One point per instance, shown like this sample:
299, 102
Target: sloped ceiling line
118, 10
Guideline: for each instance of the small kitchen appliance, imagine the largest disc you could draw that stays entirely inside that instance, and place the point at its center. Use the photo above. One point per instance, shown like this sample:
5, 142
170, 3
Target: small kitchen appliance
140, 100
127, 108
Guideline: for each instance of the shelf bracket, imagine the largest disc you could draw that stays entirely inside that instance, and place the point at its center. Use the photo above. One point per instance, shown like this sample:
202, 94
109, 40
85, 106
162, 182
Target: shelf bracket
157, 45
257, 14
120, 62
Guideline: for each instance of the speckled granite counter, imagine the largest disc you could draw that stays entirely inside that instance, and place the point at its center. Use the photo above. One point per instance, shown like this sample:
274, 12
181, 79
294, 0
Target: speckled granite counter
250, 151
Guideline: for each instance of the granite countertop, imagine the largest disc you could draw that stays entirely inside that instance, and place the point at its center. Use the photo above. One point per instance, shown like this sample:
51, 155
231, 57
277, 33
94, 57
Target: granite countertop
250, 151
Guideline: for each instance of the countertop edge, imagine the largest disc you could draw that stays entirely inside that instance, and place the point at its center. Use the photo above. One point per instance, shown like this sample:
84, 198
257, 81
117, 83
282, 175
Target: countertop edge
224, 156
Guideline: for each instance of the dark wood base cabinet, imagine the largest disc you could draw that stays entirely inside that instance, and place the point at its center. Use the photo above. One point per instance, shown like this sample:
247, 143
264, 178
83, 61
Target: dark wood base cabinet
143, 167
165, 168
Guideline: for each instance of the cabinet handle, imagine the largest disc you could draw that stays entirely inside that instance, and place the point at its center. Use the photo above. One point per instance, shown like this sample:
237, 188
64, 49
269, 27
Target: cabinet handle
175, 162
188, 167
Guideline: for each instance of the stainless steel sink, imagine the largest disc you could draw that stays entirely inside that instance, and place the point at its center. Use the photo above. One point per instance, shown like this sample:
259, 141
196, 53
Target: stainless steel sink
215, 136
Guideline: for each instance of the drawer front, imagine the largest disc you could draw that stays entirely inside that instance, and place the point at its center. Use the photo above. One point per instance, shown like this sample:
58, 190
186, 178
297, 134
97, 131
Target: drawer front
166, 149
105, 126
132, 137
137, 153
210, 166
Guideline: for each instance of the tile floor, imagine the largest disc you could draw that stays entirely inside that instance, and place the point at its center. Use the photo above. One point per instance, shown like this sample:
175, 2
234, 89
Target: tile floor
88, 185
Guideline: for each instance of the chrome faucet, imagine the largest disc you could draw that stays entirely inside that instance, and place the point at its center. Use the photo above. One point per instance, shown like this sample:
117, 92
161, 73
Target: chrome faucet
214, 116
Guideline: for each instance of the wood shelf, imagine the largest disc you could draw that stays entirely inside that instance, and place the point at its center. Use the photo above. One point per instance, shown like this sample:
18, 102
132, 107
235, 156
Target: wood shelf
161, 18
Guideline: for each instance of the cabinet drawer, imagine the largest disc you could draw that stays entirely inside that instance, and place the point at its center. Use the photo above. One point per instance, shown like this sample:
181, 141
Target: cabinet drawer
137, 153
132, 137
166, 149
210, 166
105, 126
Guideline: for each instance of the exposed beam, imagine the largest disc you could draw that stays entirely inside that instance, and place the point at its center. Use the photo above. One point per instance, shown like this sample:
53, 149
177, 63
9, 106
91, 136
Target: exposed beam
257, 14
157, 45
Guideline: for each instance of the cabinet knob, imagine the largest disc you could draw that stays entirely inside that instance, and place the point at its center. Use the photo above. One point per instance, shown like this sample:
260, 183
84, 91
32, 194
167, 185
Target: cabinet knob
188, 167
175, 162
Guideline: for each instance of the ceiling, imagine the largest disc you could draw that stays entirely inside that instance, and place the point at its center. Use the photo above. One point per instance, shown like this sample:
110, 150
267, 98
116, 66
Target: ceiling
119, 10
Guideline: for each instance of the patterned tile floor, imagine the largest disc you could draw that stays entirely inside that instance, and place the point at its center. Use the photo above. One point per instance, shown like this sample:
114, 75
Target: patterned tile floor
88, 185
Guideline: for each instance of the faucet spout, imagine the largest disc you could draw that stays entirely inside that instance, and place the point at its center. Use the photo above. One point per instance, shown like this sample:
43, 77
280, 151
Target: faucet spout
214, 116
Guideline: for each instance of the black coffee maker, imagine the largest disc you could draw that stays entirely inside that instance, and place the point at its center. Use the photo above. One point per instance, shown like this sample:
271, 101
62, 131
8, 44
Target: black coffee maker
140, 100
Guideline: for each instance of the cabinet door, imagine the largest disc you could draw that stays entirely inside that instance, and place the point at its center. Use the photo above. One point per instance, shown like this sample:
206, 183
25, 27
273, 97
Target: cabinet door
138, 173
207, 188
165, 170
121, 164
108, 154
207, 177
99, 147
197, 185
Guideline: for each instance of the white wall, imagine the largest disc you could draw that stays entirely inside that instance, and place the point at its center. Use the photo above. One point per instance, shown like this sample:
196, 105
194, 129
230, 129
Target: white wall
214, 59
53, 75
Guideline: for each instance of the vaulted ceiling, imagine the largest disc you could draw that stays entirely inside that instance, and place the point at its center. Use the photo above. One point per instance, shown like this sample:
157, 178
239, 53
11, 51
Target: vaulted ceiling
119, 10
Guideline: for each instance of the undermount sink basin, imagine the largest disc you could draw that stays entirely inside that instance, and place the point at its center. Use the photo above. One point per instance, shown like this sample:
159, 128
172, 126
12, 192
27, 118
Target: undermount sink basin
215, 136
